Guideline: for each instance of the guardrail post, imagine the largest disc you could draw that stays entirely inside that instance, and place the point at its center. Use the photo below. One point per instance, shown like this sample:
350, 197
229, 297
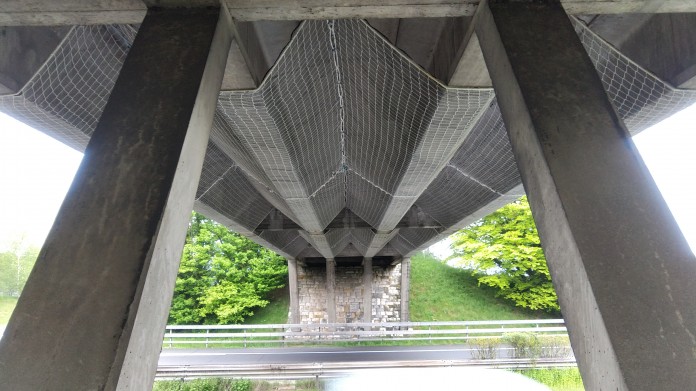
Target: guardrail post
207, 332
245, 337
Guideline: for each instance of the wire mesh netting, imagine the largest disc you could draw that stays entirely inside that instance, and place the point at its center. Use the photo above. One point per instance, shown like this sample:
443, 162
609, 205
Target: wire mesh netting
342, 121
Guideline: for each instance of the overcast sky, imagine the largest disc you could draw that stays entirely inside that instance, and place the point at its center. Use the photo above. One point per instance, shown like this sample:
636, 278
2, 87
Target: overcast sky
36, 171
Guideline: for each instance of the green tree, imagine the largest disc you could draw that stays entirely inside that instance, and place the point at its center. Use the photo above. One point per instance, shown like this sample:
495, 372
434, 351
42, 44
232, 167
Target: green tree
223, 276
15, 265
503, 251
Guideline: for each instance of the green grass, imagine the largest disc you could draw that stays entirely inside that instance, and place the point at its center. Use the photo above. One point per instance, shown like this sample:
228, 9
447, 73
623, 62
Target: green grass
276, 312
7, 305
443, 293
559, 379
218, 384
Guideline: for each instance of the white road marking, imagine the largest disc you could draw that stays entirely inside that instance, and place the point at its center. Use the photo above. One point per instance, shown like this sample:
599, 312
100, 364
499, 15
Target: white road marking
167, 354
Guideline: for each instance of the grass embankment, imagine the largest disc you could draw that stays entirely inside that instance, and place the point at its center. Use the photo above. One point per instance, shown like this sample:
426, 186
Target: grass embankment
438, 293
559, 379
276, 312
7, 305
443, 293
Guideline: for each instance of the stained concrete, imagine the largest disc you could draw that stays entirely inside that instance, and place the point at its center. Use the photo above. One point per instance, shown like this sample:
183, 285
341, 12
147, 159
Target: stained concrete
664, 44
294, 292
367, 290
331, 290
93, 311
623, 271
405, 289
22, 52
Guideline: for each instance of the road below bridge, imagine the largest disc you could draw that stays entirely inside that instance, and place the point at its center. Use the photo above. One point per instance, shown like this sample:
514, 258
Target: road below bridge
330, 361
180, 357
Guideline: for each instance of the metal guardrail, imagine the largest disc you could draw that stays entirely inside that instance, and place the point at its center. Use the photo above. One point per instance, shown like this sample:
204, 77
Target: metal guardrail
328, 370
328, 333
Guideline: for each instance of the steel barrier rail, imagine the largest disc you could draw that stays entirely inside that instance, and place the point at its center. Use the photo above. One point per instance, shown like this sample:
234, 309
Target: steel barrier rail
327, 370
327, 333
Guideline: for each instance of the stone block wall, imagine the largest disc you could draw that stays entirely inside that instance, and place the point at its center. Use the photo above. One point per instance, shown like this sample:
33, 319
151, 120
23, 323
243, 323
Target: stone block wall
386, 297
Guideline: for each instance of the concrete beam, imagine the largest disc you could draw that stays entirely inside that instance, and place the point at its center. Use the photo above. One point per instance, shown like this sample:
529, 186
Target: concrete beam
405, 287
331, 290
367, 290
338, 9
623, 271
50, 13
414, 218
379, 240
319, 242
93, 312
470, 70
294, 292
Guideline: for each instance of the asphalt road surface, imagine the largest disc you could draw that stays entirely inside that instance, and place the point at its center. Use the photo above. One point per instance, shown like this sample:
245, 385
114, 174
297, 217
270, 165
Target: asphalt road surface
176, 357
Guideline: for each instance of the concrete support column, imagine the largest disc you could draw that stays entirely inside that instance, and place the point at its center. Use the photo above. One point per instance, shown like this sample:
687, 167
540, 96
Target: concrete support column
623, 271
294, 293
405, 286
367, 290
93, 311
331, 289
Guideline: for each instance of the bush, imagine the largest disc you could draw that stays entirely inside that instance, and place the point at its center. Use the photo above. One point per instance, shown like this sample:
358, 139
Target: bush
203, 385
241, 385
485, 348
525, 345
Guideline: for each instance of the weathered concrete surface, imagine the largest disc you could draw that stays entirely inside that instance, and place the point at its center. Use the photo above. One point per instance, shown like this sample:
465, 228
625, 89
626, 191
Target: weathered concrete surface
405, 287
331, 290
22, 52
367, 290
47, 12
92, 314
664, 44
623, 271
294, 292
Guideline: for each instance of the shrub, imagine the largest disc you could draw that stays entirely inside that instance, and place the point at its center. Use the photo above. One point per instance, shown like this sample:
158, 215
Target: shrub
485, 348
525, 345
241, 385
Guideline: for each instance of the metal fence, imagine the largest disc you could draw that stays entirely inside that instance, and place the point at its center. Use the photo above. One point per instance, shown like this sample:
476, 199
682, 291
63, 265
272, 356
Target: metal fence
345, 333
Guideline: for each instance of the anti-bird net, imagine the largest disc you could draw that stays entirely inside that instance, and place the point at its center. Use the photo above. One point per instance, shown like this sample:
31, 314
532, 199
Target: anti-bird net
343, 120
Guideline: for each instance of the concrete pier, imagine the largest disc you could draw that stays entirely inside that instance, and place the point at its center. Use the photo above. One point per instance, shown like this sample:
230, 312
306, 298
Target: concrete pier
367, 289
294, 292
623, 271
93, 311
331, 290
405, 287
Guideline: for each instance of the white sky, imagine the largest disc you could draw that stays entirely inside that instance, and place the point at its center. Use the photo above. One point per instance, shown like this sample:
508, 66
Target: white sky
36, 172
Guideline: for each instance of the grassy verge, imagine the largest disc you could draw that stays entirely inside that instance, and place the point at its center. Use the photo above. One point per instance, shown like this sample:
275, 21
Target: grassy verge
7, 305
217, 384
276, 312
442, 293
559, 379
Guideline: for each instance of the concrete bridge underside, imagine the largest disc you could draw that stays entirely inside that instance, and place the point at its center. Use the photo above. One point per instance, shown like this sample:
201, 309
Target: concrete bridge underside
336, 132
